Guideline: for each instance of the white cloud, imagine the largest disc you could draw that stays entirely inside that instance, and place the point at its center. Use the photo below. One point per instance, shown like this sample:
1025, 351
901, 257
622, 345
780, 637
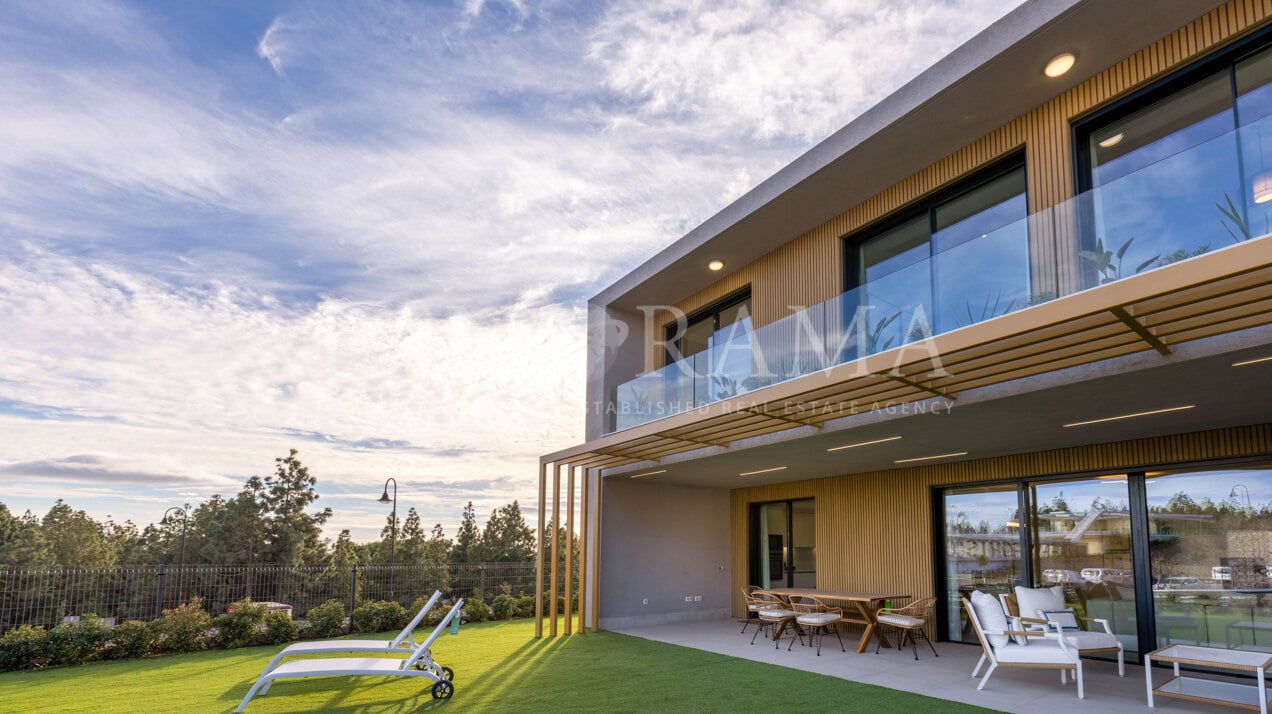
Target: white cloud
776, 68
441, 187
268, 48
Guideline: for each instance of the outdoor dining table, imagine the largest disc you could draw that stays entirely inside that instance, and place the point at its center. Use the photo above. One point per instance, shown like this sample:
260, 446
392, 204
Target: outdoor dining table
866, 604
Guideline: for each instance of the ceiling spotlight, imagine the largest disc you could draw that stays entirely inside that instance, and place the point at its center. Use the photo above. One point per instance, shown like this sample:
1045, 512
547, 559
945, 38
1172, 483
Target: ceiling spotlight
716, 265
1059, 64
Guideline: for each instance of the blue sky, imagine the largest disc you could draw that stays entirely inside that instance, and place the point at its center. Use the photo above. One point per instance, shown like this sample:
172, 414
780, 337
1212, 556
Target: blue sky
368, 230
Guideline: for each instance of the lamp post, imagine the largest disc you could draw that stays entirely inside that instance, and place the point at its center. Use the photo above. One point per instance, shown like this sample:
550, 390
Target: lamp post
1233, 494
392, 528
184, 522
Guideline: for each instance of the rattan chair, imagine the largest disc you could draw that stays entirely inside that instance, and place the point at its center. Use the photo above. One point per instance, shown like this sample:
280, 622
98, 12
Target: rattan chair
909, 621
752, 605
816, 620
776, 616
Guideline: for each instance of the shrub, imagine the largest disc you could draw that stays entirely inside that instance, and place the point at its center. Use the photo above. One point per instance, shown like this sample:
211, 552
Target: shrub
279, 629
78, 642
184, 628
237, 628
326, 620
503, 607
434, 616
378, 616
132, 639
24, 647
525, 606
476, 609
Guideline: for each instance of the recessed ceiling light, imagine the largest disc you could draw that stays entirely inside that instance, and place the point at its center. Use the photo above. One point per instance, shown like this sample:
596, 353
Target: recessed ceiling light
762, 471
716, 265
649, 473
1112, 140
929, 458
1059, 64
1131, 416
863, 443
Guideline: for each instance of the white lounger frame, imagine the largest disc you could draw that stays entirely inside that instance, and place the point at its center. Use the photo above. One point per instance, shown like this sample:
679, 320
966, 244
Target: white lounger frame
403, 644
419, 664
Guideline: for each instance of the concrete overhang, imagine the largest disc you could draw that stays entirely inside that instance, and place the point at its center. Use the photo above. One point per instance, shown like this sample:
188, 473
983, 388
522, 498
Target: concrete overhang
992, 79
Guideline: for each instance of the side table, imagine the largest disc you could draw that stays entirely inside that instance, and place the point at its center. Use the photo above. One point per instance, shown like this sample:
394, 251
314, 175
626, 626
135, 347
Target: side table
1197, 689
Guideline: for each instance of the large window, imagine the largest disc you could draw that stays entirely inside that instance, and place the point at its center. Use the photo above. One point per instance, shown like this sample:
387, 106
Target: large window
959, 258
1167, 556
1210, 548
1175, 176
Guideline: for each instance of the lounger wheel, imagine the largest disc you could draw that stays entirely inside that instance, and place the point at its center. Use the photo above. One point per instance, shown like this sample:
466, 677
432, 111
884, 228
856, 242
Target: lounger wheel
449, 674
443, 689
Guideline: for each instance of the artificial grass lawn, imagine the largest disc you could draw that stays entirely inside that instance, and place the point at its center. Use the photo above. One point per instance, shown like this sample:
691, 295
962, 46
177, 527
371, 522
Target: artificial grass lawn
498, 667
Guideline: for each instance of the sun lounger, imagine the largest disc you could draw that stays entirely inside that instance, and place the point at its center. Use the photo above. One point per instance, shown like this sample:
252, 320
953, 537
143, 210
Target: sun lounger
419, 664
404, 643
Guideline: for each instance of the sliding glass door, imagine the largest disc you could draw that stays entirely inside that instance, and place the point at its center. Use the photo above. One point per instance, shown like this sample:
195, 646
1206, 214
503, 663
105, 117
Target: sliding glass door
784, 544
982, 548
1080, 534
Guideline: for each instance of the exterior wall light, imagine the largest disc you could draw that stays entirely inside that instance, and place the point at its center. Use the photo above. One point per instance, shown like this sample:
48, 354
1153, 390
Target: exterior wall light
1059, 64
716, 265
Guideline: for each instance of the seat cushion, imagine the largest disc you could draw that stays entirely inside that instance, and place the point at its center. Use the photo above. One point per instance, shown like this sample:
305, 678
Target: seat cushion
901, 620
1090, 640
1033, 601
991, 616
1042, 651
819, 618
773, 614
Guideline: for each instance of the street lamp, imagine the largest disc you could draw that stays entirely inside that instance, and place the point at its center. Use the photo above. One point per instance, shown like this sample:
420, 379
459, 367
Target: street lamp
184, 522
392, 527
1233, 494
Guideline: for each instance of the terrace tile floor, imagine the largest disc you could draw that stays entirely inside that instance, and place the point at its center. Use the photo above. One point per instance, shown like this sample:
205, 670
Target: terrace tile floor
945, 677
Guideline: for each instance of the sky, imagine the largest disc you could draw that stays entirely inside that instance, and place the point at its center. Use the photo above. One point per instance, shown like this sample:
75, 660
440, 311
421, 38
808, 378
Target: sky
368, 231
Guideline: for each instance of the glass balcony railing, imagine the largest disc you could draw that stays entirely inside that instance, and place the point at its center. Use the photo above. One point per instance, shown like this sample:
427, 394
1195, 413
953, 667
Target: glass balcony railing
1170, 209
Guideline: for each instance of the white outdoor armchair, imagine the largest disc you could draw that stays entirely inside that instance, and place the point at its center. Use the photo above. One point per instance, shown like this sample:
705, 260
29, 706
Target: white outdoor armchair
1032, 606
1002, 649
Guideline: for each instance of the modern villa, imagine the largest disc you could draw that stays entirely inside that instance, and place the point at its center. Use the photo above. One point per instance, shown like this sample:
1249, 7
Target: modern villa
1010, 326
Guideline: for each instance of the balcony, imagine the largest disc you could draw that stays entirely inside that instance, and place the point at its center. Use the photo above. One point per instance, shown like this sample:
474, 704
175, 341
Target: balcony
1171, 208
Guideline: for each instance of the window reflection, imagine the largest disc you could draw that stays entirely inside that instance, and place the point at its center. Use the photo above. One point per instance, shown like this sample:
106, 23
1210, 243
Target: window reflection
982, 548
1082, 541
1210, 540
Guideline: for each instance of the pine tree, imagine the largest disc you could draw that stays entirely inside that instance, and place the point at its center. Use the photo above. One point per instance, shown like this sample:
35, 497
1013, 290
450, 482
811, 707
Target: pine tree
467, 539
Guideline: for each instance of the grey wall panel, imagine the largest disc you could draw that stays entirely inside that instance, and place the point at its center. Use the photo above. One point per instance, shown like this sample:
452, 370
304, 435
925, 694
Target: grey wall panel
662, 544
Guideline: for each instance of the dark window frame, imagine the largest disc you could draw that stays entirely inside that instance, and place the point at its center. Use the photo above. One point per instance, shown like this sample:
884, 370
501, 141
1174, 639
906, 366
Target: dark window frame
1140, 551
928, 204
711, 311
1223, 59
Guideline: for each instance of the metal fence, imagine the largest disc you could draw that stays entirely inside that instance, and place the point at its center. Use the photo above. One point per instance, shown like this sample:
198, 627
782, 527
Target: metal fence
44, 596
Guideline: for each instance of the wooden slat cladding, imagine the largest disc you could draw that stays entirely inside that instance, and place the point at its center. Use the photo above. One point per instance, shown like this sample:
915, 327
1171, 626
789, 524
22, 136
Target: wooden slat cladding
874, 530
808, 270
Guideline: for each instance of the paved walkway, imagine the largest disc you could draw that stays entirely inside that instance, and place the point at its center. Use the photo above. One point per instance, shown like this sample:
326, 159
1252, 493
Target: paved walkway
945, 677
